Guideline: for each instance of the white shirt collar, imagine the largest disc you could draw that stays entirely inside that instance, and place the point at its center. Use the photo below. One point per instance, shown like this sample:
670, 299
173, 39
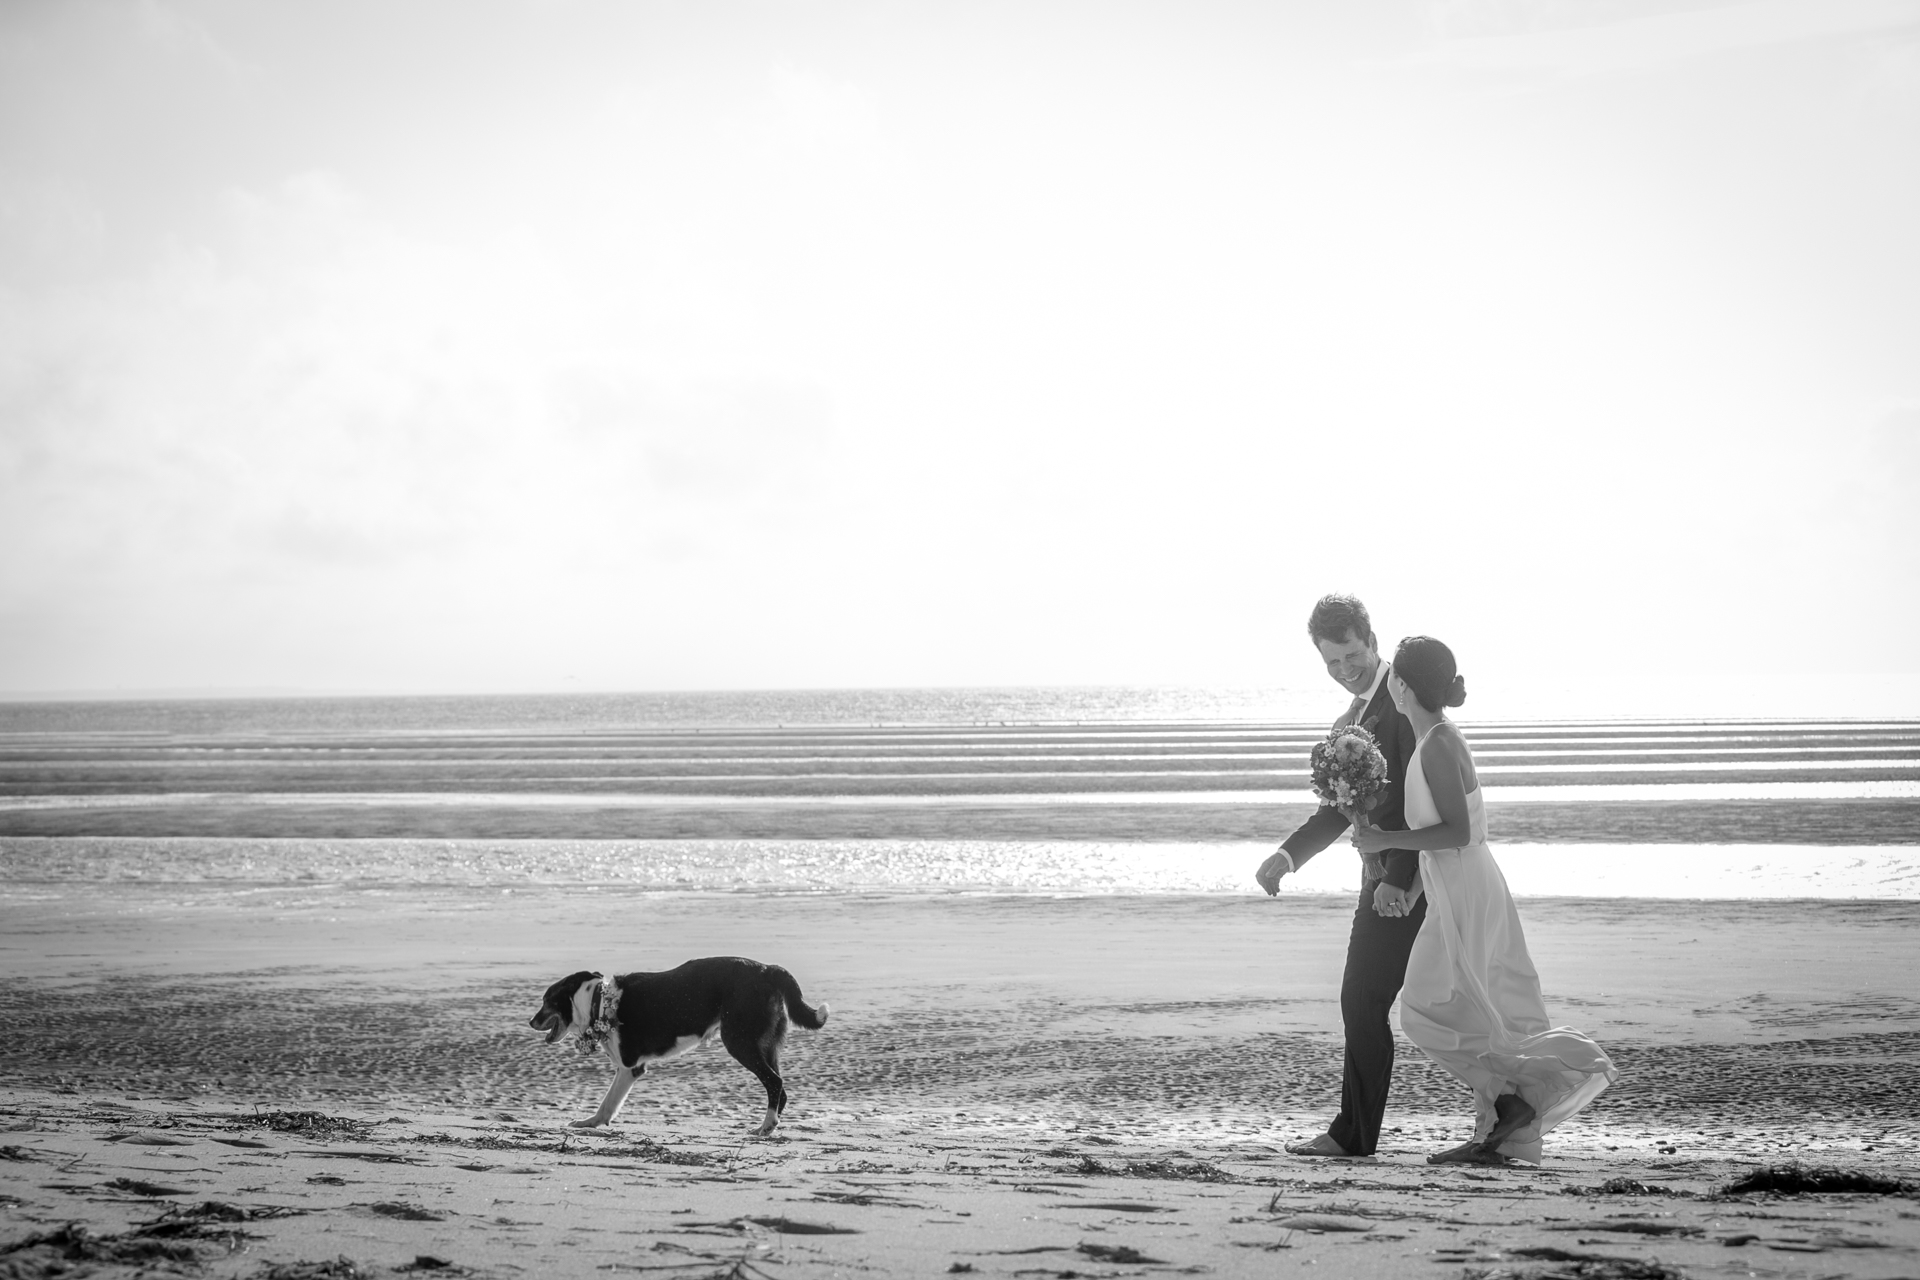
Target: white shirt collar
1379, 674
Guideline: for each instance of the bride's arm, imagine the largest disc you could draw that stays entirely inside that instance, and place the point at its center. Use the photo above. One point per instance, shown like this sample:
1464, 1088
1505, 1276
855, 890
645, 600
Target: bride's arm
1444, 763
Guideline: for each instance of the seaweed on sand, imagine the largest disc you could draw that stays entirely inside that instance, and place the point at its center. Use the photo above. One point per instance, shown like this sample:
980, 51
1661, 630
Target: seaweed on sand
211, 1220
1799, 1180
135, 1187
52, 1250
1566, 1265
1171, 1170
309, 1124
1626, 1187
1125, 1255
341, 1268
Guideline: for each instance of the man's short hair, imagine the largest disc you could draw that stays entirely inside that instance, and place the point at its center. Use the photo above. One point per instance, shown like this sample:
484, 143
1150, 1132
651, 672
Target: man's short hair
1336, 617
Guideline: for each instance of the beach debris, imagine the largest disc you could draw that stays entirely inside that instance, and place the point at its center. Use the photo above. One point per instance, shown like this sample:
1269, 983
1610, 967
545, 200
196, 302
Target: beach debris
1170, 1170
250, 1144
1113, 1206
793, 1227
1626, 1187
309, 1124
862, 1199
1119, 1253
407, 1212
1815, 1244
328, 1180
194, 1221
376, 1156
741, 1269
16, 1153
1566, 1265
47, 1252
1796, 1179
959, 1268
1324, 1222
1632, 1226
610, 1145
427, 1262
135, 1187
340, 1268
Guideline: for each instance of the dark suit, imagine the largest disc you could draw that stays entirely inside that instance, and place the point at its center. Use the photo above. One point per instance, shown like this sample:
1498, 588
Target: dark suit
1378, 946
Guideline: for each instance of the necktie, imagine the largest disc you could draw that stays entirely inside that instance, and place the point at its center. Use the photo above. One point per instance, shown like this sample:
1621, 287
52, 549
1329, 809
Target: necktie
1353, 712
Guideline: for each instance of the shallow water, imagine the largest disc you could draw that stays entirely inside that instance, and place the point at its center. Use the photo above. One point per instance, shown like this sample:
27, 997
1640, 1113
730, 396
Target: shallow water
1760, 871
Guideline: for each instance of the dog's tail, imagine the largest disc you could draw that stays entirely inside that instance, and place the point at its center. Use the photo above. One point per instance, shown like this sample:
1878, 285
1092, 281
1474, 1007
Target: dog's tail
797, 1008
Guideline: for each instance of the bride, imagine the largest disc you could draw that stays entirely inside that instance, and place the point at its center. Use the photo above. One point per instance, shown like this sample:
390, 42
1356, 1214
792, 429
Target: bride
1472, 998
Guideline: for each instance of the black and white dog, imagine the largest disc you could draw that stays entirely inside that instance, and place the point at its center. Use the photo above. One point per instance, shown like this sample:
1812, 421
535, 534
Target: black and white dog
649, 1017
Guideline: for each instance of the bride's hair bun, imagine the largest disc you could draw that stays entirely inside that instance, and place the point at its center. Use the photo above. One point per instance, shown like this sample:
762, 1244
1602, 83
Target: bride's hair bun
1427, 667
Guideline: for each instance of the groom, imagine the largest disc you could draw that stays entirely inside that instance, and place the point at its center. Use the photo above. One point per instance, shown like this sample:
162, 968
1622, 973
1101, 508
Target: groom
1388, 917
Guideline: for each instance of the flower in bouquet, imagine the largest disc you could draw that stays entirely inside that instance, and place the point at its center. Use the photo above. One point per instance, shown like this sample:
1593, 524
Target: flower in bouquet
1348, 771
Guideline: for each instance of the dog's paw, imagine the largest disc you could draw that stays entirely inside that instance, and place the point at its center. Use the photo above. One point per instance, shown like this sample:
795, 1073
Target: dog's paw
593, 1122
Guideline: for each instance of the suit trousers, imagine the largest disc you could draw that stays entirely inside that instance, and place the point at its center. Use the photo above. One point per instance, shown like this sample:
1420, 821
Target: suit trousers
1376, 967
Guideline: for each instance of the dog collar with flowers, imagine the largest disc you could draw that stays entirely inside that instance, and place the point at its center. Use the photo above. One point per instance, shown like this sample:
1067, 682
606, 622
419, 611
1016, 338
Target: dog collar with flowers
600, 1017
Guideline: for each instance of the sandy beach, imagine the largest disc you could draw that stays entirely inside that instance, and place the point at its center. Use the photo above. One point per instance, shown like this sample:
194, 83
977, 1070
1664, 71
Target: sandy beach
270, 1079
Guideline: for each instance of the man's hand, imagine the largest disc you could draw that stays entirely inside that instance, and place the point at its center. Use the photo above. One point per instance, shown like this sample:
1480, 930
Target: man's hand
1271, 870
1389, 901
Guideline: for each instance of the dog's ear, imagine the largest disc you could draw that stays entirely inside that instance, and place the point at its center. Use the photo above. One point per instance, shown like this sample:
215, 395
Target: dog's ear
561, 992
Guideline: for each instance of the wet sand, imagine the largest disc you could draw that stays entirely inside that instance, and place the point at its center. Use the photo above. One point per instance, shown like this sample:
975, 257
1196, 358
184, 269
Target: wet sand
1095, 1085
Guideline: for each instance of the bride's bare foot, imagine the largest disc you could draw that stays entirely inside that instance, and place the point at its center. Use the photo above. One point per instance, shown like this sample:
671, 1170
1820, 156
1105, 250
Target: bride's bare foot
1512, 1113
1465, 1153
1323, 1146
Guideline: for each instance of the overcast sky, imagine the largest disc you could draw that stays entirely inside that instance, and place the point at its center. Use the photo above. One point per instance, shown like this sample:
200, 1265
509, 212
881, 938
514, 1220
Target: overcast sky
467, 346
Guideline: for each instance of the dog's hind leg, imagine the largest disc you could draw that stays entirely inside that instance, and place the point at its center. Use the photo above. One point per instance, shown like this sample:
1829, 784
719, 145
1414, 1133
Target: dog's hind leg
623, 1078
760, 1054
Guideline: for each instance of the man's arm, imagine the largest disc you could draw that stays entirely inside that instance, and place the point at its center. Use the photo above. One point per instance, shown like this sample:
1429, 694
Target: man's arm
1396, 744
1313, 835
1402, 866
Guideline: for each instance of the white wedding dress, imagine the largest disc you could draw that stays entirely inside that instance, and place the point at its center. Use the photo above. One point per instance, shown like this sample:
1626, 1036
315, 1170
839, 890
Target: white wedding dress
1472, 997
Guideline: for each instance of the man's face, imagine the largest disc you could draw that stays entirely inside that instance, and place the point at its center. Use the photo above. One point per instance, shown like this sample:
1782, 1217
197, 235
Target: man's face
1351, 662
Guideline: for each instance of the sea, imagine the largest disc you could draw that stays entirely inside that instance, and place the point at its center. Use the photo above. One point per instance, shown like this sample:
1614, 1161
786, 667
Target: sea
1083, 790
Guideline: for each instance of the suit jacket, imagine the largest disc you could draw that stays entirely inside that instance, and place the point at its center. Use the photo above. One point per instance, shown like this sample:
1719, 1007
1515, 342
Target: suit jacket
1395, 735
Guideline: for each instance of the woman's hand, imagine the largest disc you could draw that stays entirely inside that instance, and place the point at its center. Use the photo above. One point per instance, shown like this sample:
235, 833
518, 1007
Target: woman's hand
1389, 901
1372, 840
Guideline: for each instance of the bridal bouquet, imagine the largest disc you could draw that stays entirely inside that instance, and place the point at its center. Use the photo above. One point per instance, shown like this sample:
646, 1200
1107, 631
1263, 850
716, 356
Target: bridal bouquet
1349, 773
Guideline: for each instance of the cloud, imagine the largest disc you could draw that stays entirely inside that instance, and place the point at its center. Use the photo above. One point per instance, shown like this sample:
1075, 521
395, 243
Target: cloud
1532, 40
704, 436
1890, 481
819, 115
48, 230
165, 27
313, 417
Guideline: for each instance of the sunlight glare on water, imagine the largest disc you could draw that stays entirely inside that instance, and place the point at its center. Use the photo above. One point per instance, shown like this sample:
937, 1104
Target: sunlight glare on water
950, 866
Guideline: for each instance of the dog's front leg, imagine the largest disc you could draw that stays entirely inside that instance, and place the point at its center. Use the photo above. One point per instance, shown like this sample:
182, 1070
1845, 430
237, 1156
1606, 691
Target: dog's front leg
623, 1078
